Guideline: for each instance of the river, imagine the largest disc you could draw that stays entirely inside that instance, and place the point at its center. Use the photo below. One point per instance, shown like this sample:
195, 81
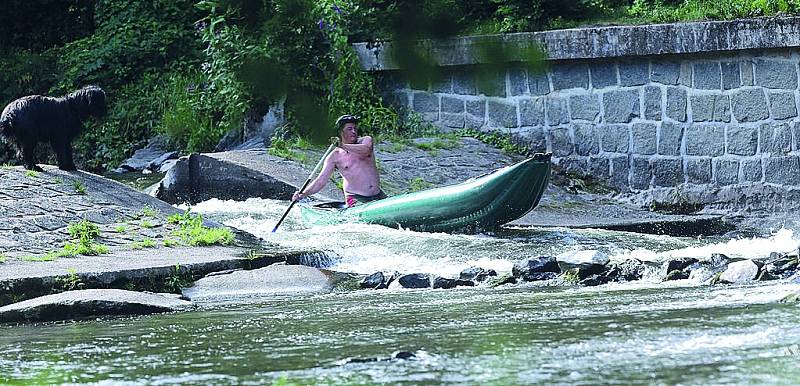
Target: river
631, 333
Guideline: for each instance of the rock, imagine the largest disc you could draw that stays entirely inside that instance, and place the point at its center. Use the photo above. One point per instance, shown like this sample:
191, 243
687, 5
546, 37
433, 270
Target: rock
525, 269
677, 269
628, 270
414, 280
541, 276
235, 175
476, 274
373, 281
403, 355
156, 147
167, 165
89, 303
585, 263
274, 279
740, 272
792, 298
155, 165
781, 267
594, 280
464, 283
444, 283
499, 280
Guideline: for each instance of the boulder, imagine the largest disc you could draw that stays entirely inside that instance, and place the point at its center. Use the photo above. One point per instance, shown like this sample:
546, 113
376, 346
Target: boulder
375, 281
155, 165
274, 279
156, 148
90, 303
585, 263
414, 280
476, 274
740, 272
529, 268
499, 280
444, 283
628, 270
679, 268
792, 298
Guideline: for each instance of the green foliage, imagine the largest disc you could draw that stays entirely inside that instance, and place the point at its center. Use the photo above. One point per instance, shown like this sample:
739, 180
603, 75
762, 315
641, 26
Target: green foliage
31, 173
146, 224
287, 149
178, 279
71, 282
418, 184
79, 187
192, 231
170, 243
3, 258
498, 140
148, 211
83, 233
144, 243
661, 11
121, 229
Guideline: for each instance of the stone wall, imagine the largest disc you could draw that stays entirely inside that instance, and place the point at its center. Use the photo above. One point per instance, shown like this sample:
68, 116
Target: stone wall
722, 125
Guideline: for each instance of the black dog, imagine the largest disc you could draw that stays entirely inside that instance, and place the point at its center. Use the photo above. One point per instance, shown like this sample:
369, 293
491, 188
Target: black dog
33, 119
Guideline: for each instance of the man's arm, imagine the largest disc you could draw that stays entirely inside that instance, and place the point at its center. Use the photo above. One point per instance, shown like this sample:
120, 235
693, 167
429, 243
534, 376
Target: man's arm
363, 147
320, 181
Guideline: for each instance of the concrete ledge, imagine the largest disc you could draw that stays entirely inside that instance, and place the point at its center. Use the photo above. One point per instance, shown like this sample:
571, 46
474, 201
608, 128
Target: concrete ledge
605, 42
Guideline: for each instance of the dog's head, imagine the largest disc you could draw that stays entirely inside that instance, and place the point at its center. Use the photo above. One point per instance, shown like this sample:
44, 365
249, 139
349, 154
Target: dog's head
91, 101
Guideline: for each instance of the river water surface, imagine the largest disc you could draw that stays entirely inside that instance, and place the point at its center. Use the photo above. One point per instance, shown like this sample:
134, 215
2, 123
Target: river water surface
632, 333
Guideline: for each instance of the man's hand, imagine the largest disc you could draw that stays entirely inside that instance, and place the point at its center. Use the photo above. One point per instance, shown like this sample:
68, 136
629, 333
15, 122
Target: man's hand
336, 141
297, 196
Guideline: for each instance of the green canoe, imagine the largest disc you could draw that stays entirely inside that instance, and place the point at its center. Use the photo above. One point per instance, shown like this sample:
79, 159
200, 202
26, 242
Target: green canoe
480, 203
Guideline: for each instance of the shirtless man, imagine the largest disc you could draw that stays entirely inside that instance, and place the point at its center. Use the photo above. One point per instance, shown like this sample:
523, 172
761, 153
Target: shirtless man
355, 160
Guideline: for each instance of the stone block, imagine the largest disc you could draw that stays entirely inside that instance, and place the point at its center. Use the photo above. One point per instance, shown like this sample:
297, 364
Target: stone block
620, 106
751, 170
645, 138
452, 105
464, 83
476, 113
517, 81
698, 170
634, 73
705, 141
676, 104
685, 79
775, 73
782, 105
746, 71
750, 105
575, 165
538, 84
640, 173
501, 114
560, 142
652, 103
731, 78
585, 106
710, 108
586, 140
534, 138
531, 112
782, 170
665, 72
556, 111
670, 138
604, 74
620, 170
775, 139
666, 172
707, 76
425, 102
796, 135
452, 120
742, 140
614, 138
445, 85
567, 76
726, 171
491, 82
599, 167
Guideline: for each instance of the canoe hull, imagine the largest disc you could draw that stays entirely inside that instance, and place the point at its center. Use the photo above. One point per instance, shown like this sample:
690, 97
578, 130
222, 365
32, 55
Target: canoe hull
481, 203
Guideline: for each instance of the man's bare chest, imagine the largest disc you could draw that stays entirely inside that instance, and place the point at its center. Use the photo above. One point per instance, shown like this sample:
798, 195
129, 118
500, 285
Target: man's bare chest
351, 161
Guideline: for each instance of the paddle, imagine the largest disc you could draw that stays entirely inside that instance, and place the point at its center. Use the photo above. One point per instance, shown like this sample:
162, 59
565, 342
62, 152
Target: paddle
308, 181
